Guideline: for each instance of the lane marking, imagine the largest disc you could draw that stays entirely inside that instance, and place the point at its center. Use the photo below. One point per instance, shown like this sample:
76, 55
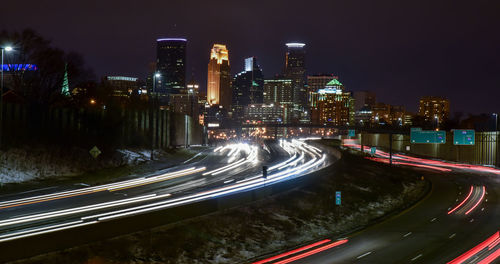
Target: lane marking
452, 235
463, 202
407, 234
433, 219
417, 257
364, 255
478, 201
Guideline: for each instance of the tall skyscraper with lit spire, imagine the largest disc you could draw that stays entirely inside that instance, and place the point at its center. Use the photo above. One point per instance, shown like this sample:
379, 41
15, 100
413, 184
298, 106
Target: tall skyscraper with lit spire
219, 79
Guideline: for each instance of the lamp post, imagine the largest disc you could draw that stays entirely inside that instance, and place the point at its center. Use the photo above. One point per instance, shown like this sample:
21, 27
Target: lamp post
4, 49
155, 76
496, 121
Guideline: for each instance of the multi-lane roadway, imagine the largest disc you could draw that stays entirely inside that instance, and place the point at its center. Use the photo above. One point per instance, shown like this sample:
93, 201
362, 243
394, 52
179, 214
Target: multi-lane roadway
457, 222
225, 170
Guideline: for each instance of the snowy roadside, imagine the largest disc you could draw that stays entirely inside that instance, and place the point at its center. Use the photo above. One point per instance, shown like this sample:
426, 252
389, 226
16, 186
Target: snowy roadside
23, 165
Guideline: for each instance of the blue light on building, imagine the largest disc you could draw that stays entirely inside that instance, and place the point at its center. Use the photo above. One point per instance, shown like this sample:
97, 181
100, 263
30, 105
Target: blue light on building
19, 67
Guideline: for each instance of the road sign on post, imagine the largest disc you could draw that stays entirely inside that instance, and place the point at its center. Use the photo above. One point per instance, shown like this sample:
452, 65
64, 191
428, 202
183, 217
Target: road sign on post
94, 152
373, 150
338, 198
352, 132
264, 172
463, 137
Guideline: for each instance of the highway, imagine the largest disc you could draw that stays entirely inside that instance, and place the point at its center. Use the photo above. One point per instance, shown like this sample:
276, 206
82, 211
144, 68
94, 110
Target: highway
457, 222
226, 170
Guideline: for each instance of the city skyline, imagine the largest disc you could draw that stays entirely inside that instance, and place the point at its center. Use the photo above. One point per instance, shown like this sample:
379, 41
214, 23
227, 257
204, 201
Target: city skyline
443, 55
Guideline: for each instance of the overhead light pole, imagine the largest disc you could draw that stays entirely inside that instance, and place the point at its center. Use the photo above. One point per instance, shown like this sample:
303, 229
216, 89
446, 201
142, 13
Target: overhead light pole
496, 121
153, 104
4, 49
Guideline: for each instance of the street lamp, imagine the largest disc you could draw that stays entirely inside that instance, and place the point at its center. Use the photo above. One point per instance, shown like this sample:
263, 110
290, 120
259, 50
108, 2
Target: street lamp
7, 48
496, 121
155, 76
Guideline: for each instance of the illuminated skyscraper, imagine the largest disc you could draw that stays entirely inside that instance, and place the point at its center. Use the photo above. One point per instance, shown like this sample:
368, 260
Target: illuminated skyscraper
219, 79
333, 105
170, 67
316, 82
248, 87
295, 69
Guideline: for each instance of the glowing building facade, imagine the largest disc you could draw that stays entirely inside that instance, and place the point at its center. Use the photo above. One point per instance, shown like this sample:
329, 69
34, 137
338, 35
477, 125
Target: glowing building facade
434, 109
219, 79
332, 105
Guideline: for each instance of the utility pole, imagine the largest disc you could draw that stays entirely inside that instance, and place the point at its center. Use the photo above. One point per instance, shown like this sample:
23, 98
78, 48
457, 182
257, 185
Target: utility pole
390, 148
152, 101
361, 141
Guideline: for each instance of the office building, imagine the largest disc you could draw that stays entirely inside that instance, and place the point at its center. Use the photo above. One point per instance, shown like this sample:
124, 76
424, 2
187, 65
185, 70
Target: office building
332, 105
264, 114
364, 99
316, 82
248, 87
278, 91
170, 67
122, 86
386, 114
295, 69
219, 79
434, 109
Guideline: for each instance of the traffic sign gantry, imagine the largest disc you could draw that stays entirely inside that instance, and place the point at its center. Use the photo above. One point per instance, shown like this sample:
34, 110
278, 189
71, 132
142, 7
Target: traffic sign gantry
463, 137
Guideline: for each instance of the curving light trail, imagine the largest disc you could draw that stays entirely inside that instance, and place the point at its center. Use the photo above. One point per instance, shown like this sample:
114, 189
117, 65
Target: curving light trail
303, 159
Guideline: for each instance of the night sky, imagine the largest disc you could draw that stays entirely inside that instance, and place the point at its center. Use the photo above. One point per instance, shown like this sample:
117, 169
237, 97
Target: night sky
399, 49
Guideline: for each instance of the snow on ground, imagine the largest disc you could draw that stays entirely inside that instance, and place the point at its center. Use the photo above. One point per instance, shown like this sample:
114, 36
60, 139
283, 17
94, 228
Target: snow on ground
27, 164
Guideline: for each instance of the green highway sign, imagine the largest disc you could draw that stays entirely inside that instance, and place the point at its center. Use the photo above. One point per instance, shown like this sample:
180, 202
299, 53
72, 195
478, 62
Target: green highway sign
463, 137
338, 198
427, 136
373, 150
352, 132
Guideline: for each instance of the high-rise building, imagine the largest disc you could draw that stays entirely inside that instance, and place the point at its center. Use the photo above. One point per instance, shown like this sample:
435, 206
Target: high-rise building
386, 114
434, 109
170, 67
264, 113
295, 69
316, 82
248, 87
219, 79
122, 86
279, 91
333, 105
364, 99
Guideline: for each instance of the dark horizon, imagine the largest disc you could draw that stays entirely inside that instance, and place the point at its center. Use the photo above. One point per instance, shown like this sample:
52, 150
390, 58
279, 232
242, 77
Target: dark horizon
401, 51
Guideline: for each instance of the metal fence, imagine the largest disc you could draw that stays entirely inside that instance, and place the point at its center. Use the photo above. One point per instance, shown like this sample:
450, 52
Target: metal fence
108, 128
485, 151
